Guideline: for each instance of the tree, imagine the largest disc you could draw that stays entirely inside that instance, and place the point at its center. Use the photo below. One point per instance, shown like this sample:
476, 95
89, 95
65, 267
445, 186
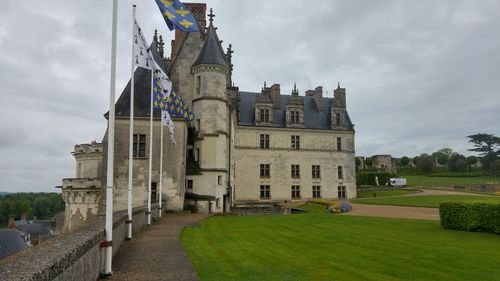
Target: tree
461, 165
488, 147
425, 163
358, 162
496, 168
405, 161
369, 162
471, 160
453, 161
442, 155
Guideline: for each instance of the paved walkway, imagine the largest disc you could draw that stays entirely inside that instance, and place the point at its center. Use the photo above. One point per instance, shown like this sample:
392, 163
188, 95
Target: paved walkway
156, 253
394, 212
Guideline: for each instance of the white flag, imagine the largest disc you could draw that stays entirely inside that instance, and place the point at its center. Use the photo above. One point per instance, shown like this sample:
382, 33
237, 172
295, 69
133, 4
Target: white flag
165, 83
142, 56
167, 121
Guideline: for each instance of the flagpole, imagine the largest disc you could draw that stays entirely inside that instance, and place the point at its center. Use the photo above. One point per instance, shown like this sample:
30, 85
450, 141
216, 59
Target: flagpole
161, 168
110, 154
150, 150
131, 131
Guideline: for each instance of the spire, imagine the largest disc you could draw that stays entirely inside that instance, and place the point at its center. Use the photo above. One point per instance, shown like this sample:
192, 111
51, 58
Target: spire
295, 91
338, 85
211, 16
160, 47
212, 52
155, 37
229, 56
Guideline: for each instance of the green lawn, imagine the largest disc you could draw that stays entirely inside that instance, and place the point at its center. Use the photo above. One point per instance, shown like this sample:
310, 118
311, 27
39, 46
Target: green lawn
426, 181
320, 246
385, 193
428, 200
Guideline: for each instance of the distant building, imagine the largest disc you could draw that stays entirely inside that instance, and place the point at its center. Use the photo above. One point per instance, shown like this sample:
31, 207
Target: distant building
32, 231
381, 163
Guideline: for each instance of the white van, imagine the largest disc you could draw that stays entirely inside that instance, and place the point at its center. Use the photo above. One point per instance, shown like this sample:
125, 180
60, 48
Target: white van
397, 182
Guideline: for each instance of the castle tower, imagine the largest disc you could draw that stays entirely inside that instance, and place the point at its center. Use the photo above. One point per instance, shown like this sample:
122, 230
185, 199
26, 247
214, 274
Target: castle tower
211, 143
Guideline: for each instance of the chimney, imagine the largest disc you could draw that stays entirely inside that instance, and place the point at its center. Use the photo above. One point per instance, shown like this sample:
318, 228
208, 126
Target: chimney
275, 94
317, 94
23, 216
339, 97
199, 12
11, 223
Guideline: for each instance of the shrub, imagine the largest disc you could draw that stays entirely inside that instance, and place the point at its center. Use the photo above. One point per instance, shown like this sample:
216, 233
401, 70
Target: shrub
470, 216
457, 175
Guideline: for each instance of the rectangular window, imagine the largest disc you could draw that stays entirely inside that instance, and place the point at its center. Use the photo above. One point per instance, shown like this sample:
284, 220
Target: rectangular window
337, 119
189, 184
295, 171
264, 115
340, 173
339, 143
219, 180
295, 191
198, 84
265, 170
139, 145
264, 141
316, 171
341, 192
294, 117
265, 192
295, 142
316, 191
153, 192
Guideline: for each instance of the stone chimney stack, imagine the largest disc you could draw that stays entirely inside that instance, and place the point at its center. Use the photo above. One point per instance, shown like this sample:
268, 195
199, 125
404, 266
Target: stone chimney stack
339, 97
275, 94
317, 94
199, 11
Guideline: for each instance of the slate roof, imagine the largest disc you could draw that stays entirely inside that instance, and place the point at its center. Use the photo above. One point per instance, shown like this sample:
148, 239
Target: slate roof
212, 52
313, 117
142, 92
35, 229
11, 243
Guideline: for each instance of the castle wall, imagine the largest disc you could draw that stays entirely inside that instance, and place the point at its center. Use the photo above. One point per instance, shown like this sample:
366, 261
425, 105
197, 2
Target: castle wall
173, 164
317, 147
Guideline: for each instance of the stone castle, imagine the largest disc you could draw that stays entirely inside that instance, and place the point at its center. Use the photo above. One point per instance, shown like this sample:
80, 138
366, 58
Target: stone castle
241, 148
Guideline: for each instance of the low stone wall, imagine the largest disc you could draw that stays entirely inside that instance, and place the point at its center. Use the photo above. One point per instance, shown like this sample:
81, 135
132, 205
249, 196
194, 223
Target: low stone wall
75, 256
255, 210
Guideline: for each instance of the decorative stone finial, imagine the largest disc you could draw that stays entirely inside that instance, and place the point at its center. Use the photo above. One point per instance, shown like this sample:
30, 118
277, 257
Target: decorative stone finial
155, 37
161, 44
338, 85
211, 16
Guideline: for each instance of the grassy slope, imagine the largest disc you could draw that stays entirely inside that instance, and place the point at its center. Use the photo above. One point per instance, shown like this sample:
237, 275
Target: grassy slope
385, 193
428, 200
426, 181
321, 246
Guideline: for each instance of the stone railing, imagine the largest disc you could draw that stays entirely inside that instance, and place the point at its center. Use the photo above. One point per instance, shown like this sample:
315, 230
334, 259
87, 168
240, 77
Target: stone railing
76, 256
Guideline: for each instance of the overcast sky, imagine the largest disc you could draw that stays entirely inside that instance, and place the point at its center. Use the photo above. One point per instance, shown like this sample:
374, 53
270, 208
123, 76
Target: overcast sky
420, 75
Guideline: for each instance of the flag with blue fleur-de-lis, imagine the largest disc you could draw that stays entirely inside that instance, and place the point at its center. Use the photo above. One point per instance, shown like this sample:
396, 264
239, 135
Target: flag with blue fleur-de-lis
178, 108
177, 16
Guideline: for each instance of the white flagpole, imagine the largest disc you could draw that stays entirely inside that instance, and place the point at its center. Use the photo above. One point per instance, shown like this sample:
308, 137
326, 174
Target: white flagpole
161, 167
131, 131
150, 150
110, 154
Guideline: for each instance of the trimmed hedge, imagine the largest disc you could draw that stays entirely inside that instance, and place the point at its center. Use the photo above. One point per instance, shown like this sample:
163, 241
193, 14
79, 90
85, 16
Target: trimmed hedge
369, 178
470, 216
456, 175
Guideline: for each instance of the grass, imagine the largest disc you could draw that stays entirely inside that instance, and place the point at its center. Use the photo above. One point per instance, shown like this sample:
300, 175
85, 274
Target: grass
320, 246
432, 201
385, 193
426, 181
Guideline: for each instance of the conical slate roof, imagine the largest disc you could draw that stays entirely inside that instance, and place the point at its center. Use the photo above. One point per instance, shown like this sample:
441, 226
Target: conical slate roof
212, 52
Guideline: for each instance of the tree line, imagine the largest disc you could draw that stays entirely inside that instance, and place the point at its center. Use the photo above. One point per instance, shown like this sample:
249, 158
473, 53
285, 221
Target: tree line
486, 145
42, 205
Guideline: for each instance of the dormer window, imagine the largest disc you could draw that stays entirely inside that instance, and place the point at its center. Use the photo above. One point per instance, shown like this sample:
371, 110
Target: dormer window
264, 115
294, 117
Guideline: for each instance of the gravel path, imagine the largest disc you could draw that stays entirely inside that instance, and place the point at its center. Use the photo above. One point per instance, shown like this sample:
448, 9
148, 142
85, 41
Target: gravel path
393, 212
156, 253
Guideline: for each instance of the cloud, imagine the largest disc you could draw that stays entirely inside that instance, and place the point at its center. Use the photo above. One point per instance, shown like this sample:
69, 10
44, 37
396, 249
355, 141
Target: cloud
419, 75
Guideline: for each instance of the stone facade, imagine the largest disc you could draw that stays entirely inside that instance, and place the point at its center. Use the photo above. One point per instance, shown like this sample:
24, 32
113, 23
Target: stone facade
216, 162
